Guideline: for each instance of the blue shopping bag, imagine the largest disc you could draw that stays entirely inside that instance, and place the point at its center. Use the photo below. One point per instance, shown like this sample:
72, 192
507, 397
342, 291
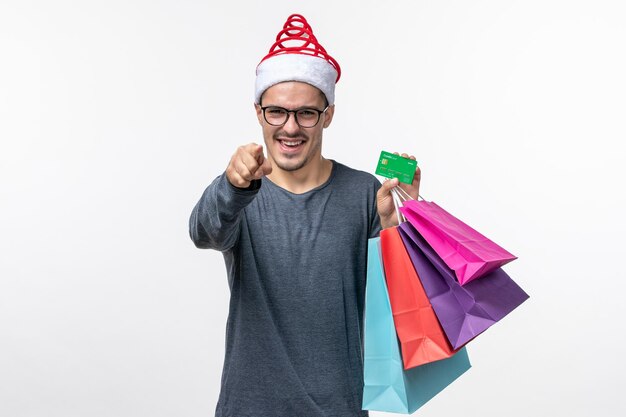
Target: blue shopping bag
387, 387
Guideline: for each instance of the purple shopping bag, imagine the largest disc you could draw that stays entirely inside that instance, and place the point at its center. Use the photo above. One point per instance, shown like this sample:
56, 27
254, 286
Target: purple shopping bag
463, 311
470, 254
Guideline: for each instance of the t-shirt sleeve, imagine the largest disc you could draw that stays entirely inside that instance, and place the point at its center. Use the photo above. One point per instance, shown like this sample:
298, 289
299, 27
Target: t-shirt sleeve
216, 219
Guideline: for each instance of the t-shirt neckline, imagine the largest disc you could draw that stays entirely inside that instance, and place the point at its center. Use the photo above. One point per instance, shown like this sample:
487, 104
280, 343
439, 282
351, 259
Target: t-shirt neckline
333, 169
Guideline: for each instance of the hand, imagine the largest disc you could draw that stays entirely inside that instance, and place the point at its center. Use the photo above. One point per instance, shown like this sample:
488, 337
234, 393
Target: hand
248, 163
384, 200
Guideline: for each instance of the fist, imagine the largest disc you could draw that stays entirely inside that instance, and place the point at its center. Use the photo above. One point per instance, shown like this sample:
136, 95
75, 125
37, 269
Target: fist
384, 200
247, 163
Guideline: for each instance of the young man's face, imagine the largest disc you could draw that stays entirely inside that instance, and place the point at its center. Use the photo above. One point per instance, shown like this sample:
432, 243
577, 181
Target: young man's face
291, 147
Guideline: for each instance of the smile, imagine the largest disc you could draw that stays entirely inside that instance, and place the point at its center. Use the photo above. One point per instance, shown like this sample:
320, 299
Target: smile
291, 143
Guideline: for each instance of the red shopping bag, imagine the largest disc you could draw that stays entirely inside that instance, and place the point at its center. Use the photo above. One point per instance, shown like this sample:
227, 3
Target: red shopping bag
422, 339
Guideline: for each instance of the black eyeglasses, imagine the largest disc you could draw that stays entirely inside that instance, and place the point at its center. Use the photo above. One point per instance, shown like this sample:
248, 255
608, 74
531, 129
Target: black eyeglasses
305, 116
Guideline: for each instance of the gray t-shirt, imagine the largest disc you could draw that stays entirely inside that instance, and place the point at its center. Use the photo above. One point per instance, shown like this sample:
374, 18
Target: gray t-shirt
296, 268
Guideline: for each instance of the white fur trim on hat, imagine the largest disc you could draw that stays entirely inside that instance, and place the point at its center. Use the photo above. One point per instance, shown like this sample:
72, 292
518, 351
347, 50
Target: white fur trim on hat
308, 69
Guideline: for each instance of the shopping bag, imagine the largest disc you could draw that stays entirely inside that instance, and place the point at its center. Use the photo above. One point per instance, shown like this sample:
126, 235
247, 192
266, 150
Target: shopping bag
470, 254
387, 387
463, 311
422, 339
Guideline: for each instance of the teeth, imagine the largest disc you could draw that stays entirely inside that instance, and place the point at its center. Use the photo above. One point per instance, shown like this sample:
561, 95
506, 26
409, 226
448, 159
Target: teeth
296, 143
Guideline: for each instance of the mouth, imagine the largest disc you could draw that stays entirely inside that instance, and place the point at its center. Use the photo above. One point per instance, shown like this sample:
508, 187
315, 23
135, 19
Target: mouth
291, 145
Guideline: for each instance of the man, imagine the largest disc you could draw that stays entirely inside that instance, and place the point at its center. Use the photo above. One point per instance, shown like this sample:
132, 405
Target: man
293, 228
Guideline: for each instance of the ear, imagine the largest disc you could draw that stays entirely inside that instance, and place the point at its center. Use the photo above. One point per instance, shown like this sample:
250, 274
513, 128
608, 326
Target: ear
328, 116
259, 113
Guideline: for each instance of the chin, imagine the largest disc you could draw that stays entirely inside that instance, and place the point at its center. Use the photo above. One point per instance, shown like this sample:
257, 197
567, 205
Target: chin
290, 165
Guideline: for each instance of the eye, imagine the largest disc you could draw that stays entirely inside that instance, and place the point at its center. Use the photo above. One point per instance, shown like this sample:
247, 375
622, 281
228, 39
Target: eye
275, 111
307, 113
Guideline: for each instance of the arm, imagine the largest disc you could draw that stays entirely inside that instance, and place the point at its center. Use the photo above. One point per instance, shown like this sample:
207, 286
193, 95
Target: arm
216, 218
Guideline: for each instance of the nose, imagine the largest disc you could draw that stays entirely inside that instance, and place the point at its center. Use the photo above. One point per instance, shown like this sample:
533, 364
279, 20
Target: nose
291, 125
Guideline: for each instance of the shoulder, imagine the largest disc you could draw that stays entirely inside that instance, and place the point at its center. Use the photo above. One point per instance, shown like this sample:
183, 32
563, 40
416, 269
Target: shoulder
357, 189
354, 177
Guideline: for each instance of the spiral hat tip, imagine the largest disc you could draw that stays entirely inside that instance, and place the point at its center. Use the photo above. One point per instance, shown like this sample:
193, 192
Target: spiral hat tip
297, 55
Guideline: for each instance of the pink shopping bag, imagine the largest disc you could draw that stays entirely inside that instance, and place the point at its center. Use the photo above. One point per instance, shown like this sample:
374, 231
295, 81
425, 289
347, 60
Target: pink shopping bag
470, 254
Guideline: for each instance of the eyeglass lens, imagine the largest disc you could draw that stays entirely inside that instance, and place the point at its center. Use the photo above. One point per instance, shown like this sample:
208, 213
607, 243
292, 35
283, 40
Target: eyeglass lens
277, 116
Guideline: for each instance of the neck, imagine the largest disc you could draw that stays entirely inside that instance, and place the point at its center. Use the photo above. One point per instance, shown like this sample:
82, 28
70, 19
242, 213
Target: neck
314, 174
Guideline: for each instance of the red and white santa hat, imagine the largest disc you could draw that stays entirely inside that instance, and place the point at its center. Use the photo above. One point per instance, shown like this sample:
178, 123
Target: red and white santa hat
297, 56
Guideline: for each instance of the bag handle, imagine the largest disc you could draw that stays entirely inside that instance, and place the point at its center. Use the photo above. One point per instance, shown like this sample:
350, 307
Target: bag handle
398, 199
404, 196
399, 196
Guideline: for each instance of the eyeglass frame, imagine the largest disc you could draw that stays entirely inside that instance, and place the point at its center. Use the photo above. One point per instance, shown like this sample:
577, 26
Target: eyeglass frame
295, 115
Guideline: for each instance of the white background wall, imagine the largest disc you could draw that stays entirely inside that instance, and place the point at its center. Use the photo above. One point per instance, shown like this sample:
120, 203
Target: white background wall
114, 116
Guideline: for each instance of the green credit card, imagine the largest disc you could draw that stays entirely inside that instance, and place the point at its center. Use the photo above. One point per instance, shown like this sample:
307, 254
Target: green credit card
395, 166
